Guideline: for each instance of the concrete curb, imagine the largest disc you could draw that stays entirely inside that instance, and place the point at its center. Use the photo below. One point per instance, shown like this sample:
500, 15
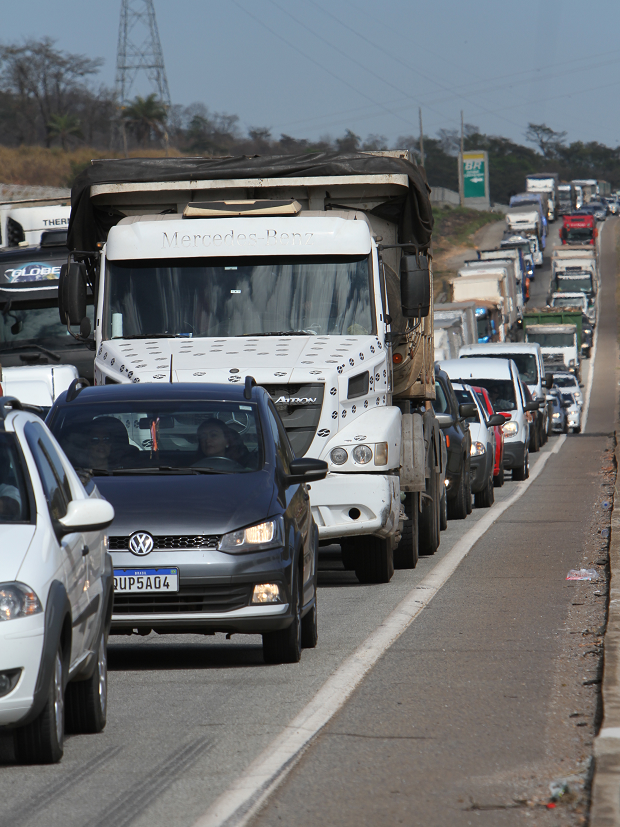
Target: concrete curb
605, 808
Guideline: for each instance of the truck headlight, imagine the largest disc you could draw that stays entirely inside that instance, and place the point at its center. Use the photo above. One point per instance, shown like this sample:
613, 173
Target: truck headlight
265, 535
510, 428
362, 454
339, 456
18, 600
476, 450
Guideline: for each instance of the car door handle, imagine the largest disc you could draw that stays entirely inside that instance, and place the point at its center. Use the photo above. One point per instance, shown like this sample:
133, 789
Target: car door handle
85, 550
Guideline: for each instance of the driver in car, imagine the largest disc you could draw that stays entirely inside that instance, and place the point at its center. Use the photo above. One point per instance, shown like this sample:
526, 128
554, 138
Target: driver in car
218, 440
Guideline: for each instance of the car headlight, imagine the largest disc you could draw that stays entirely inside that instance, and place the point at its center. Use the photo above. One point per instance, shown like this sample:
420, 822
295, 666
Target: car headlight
362, 454
476, 450
556, 416
18, 600
510, 428
269, 534
339, 456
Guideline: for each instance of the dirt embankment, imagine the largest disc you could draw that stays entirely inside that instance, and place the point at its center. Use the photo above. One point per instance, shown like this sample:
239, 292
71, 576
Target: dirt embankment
457, 233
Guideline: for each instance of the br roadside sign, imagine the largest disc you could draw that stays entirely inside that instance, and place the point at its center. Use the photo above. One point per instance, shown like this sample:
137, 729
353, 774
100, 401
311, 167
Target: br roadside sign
476, 179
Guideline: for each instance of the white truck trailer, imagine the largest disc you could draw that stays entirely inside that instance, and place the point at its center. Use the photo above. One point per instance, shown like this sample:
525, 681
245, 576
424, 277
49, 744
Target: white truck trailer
311, 273
545, 183
24, 223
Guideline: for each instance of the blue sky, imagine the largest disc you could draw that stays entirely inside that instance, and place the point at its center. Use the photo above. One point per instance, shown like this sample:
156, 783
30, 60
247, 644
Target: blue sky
315, 67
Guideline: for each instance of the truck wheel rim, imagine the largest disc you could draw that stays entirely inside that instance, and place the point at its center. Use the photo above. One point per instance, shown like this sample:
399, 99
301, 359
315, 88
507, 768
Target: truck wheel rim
102, 670
59, 703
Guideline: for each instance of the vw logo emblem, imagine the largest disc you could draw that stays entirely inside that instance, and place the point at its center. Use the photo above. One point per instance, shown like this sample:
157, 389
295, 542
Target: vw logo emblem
141, 543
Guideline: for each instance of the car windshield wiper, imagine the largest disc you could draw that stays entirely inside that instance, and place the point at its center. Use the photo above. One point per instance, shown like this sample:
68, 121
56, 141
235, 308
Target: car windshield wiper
160, 469
279, 333
29, 346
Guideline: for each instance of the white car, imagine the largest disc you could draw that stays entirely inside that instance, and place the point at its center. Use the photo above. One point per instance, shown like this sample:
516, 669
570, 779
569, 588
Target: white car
501, 379
569, 382
573, 411
56, 583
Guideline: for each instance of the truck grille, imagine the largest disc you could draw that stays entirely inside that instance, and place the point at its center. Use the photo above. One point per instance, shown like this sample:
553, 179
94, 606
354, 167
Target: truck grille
299, 407
169, 542
225, 598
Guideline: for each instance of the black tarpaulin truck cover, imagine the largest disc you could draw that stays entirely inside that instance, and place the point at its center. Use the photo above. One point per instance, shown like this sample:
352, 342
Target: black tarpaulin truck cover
90, 224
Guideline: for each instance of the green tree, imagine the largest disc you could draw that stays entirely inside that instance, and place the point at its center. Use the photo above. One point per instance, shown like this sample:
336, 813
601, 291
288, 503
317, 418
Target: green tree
548, 141
146, 118
64, 127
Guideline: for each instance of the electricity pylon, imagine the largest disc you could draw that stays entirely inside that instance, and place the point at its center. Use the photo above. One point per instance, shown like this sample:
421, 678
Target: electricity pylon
139, 50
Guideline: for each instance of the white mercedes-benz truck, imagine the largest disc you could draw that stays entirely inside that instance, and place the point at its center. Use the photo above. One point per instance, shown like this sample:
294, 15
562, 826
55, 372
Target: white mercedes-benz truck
311, 274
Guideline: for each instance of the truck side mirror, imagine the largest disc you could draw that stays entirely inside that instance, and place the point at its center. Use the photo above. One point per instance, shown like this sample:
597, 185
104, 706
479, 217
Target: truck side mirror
415, 286
548, 381
72, 293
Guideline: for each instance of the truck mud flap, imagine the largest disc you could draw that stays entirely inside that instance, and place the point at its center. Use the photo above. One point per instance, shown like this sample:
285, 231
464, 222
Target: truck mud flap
412, 454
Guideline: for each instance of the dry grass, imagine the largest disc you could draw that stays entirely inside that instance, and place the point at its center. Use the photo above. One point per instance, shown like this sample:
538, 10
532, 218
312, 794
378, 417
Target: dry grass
38, 166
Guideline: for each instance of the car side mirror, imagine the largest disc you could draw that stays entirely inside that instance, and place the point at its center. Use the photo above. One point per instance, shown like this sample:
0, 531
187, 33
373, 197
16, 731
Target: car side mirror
495, 420
415, 286
531, 406
444, 420
85, 515
467, 409
306, 469
72, 293
566, 404
548, 381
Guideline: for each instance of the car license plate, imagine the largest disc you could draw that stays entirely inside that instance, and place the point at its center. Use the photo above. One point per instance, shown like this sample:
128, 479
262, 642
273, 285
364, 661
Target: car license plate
145, 580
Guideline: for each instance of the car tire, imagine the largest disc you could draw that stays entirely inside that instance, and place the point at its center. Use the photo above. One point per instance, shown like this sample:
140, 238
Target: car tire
310, 628
457, 506
348, 555
284, 646
498, 479
374, 561
523, 472
86, 702
42, 740
443, 511
406, 553
486, 497
577, 429
534, 441
430, 518
468, 495
565, 429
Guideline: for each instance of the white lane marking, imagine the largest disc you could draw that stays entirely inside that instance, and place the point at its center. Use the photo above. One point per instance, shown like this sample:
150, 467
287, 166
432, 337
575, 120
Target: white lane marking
246, 796
609, 732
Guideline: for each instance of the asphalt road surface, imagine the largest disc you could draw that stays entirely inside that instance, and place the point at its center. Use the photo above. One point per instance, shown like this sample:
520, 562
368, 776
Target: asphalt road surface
463, 713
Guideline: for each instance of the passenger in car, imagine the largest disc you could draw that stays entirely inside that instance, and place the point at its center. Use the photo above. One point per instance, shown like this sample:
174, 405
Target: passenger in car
108, 444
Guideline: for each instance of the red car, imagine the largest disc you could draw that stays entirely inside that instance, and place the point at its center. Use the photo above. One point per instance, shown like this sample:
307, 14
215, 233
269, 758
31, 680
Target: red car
498, 470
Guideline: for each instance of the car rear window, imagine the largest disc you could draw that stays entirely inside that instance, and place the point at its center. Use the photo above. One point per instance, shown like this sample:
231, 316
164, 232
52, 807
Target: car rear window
501, 393
14, 499
218, 437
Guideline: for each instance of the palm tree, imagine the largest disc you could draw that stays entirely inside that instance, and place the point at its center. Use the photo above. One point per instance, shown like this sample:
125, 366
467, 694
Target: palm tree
63, 127
146, 117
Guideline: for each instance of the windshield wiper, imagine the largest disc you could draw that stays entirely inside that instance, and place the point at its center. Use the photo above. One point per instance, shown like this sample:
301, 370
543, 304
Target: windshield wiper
160, 469
279, 333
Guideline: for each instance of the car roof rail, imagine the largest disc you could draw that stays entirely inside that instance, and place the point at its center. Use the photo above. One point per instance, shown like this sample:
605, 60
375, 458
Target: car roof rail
75, 387
6, 403
250, 382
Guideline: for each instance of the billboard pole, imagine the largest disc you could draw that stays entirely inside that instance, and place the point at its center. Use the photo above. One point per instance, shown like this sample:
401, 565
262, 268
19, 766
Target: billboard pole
461, 182
421, 138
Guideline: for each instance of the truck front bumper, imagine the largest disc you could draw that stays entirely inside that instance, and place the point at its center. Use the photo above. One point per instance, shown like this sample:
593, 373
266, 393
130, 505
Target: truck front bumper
349, 505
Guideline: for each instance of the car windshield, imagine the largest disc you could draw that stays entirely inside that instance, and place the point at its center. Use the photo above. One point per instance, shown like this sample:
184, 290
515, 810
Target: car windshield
239, 297
526, 363
568, 397
564, 381
150, 437
14, 504
552, 339
501, 393
464, 397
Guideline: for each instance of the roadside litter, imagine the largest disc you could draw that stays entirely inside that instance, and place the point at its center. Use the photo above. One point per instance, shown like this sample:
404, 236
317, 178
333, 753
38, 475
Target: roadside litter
582, 574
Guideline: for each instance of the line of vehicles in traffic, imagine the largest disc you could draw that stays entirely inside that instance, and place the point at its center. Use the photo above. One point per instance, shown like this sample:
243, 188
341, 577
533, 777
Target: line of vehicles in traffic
260, 374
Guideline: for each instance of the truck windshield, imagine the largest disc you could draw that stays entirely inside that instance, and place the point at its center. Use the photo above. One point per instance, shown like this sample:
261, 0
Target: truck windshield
239, 297
20, 324
552, 339
574, 284
579, 234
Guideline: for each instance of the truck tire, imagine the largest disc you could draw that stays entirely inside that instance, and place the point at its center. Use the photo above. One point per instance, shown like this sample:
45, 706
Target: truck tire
42, 740
430, 517
443, 511
374, 560
86, 701
457, 506
406, 553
